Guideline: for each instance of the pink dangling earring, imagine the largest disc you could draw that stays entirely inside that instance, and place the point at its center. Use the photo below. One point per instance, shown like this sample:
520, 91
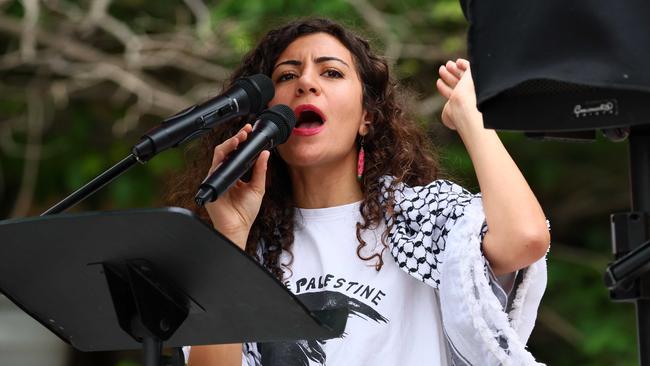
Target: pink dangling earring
361, 161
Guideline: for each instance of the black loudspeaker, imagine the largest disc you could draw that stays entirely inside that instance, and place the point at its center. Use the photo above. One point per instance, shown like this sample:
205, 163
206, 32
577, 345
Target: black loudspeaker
557, 65
558, 68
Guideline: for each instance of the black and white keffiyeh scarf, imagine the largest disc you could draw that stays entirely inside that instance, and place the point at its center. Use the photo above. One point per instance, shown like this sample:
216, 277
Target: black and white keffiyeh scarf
435, 236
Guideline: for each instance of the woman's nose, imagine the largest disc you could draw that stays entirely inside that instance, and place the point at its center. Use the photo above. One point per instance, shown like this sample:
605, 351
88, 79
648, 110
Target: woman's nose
307, 84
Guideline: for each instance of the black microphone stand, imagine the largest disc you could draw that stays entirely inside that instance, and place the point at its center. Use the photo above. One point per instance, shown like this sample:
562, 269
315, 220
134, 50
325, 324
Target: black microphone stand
93, 186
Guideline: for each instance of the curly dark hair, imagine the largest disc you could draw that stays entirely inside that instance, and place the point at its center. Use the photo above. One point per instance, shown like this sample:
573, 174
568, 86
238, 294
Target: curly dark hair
394, 146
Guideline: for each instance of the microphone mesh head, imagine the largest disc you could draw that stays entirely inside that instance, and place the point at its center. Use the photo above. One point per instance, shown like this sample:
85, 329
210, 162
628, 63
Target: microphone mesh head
260, 91
283, 117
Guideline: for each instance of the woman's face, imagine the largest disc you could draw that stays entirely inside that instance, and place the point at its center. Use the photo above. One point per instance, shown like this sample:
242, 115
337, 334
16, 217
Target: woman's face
316, 77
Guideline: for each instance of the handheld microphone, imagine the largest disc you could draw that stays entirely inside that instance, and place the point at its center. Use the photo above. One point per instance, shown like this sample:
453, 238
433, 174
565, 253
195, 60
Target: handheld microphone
271, 129
248, 95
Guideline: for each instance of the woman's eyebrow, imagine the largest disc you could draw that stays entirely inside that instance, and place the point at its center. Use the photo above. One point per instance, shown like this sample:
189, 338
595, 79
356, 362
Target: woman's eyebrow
288, 62
318, 60
330, 58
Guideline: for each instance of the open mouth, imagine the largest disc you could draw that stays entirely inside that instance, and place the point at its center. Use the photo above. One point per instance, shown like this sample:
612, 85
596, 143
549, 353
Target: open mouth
310, 119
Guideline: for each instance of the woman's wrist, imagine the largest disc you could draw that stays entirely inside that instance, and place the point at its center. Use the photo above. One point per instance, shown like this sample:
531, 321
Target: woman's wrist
470, 126
239, 238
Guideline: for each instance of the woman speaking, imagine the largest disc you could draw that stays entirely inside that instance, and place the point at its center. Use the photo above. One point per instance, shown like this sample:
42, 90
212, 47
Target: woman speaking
351, 211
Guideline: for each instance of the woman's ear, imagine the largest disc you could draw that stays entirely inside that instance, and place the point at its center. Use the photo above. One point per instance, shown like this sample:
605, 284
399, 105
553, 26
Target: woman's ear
365, 125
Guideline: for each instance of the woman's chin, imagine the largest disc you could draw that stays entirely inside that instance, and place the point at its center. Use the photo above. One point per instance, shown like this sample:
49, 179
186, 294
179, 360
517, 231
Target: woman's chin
299, 156
312, 157
302, 162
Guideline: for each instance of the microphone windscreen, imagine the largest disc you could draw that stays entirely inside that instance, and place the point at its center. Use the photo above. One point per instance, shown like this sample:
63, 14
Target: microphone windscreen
283, 117
260, 91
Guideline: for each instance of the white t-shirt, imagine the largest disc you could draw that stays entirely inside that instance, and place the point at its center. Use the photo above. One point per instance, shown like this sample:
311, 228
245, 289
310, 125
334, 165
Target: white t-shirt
394, 319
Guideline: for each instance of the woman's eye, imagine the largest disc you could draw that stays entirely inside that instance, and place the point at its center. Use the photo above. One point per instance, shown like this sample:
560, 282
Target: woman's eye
285, 77
333, 74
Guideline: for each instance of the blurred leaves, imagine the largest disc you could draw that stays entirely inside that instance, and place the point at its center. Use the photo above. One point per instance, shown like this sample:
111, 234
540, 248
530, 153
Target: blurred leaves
446, 12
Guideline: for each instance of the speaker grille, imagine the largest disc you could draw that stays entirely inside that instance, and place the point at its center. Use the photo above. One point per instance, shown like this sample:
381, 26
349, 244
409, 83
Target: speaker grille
547, 86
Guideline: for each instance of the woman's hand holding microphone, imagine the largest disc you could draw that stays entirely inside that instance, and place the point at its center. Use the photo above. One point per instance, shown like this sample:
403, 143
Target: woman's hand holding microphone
234, 212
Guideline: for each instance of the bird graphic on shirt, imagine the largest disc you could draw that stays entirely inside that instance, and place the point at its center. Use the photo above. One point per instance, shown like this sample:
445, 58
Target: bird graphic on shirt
304, 353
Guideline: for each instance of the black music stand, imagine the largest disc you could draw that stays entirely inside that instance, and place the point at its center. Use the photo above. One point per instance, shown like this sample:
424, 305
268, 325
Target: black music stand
140, 278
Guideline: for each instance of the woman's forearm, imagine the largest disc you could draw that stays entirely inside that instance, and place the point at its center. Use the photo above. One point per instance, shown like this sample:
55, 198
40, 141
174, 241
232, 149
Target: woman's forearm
216, 355
517, 233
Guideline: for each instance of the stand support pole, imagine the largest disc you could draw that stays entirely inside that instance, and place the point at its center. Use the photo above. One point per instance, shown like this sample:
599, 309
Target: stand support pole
640, 192
152, 351
92, 186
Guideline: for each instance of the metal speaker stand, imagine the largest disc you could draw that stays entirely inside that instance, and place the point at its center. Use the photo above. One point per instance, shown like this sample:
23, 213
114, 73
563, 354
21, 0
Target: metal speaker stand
628, 277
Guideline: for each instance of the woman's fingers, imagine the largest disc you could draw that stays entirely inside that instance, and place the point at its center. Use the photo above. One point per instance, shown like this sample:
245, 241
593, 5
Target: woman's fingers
443, 88
462, 64
450, 75
452, 67
258, 180
450, 79
222, 150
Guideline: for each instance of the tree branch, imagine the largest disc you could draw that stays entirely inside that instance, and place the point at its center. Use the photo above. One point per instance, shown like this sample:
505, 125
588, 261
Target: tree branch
65, 45
98, 16
176, 59
425, 52
579, 256
430, 106
27, 37
202, 15
2, 182
379, 23
35, 124
563, 328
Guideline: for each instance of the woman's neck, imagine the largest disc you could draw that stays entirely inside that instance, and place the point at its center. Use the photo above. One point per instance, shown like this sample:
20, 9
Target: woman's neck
325, 186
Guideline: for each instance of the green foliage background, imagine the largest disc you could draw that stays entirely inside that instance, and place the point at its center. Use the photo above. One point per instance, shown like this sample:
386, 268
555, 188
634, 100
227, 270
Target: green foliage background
79, 135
